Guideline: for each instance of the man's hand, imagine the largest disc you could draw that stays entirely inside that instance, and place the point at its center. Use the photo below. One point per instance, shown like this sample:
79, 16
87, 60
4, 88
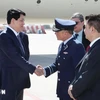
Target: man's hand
69, 92
39, 70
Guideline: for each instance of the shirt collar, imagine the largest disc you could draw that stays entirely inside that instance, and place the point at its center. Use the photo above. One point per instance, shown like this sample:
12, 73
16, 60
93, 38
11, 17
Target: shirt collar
16, 33
79, 33
94, 41
68, 40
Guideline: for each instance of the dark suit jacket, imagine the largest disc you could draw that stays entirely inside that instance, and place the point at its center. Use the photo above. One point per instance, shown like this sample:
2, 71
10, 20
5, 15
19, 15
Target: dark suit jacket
86, 85
85, 42
65, 63
14, 65
25, 43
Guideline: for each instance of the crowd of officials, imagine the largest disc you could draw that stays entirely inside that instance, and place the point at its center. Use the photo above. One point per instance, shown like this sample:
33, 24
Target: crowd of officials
77, 62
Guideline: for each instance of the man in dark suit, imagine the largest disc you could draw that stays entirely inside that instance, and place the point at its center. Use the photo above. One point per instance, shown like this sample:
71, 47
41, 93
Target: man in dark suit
86, 84
79, 29
14, 55
25, 41
67, 57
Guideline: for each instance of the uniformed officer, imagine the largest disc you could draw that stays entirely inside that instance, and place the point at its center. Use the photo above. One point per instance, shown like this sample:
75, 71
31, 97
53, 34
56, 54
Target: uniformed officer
69, 54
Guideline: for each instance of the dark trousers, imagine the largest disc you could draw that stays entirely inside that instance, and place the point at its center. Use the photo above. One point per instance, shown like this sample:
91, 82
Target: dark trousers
63, 98
12, 95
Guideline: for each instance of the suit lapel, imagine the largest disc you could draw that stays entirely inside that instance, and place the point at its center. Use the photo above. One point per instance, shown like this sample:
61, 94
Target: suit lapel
85, 42
68, 44
21, 36
14, 38
83, 36
88, 53
94, 45
78, 65
65, 47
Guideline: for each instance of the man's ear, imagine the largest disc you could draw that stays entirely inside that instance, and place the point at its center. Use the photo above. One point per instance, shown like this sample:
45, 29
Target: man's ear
12, 20
92, 29
83, 23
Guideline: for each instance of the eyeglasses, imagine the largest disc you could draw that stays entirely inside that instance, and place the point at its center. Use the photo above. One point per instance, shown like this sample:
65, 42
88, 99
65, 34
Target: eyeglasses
77, 23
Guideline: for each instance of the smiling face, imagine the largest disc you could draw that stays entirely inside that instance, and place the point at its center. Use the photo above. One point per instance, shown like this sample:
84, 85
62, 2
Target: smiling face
18, 24
15, 19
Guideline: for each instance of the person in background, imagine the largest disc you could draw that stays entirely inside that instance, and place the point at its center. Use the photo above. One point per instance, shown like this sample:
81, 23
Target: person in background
86, 84
69, 54
79, 29
14, 56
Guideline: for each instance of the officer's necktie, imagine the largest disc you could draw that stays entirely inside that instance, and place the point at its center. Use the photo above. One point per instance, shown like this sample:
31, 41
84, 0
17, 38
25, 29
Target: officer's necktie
22, 48
62, 47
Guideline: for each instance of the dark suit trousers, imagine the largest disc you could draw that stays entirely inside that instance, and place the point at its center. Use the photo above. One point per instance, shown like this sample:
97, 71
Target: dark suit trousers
12, 95
65, 99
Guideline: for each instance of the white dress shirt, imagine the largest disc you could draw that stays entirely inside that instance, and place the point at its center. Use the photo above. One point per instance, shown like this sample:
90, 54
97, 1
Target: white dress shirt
79, 35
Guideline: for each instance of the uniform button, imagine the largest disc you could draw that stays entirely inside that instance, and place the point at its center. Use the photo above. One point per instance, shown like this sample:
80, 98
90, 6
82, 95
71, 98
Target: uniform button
58, 79
63, 58
80, 76
59, 56
58, 71
58, 64
68, 81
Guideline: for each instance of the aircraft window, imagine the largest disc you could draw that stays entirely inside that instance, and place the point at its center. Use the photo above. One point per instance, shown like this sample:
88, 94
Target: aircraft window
95, 0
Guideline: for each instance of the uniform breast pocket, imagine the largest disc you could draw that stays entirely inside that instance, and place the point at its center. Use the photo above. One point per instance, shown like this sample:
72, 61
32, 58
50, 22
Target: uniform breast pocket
67, 58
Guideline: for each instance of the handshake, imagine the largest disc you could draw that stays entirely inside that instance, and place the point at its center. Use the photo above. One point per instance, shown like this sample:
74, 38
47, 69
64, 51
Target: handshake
39, 70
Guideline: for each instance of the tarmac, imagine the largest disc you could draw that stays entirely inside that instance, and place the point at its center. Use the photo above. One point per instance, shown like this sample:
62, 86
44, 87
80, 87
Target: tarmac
43, 50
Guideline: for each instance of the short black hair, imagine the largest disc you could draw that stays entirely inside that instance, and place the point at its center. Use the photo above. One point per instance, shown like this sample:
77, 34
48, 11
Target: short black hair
79, 16
94, 20
89, 16
14, 13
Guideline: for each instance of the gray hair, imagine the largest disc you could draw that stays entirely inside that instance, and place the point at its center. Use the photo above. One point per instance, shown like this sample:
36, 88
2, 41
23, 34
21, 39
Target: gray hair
79, 16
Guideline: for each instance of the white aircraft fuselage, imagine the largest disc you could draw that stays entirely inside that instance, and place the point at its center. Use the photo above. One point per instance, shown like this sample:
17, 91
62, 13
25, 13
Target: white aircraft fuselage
51, 8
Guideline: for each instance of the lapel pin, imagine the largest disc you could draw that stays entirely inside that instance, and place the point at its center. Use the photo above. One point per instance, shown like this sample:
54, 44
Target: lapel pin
65, 47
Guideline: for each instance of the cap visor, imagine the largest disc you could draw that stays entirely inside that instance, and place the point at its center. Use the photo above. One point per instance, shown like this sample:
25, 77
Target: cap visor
55, 29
